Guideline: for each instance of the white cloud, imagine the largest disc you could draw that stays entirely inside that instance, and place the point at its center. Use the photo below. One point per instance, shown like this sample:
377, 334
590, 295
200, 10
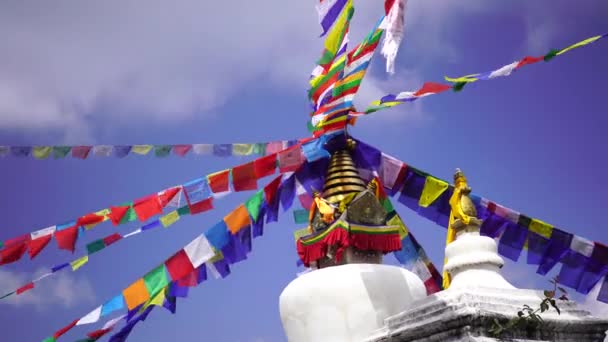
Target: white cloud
68, 64
63, 290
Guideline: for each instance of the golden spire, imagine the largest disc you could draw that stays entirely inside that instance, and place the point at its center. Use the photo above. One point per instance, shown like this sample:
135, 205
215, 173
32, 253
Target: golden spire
342, 176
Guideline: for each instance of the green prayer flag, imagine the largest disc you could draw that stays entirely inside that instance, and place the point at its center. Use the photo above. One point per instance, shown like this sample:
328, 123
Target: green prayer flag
185, 210
156, 280
95, 246
388, 206
61, 151
1, 244
459, 85
162, 150
259, 149
130, 215
550, 55
49, 339
300, 216
254, 203
41, 152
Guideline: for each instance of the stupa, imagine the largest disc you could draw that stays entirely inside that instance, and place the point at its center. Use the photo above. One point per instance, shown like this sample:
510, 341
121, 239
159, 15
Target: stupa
478, 294
349, 293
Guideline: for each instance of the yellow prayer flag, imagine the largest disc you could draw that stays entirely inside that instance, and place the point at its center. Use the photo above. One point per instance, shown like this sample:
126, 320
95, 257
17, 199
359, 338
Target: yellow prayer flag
157, 300
466, 79
579, 44
169, 219
141, 149
217, 257
433, 188
396, 221
242, 149
41, 152
78, 263
332, 43
541, 228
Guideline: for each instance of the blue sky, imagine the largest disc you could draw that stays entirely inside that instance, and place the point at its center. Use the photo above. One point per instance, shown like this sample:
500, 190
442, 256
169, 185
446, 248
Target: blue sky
134, 72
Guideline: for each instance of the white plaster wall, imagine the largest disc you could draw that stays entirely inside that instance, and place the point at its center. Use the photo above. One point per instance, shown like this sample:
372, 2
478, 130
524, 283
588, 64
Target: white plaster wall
346, 303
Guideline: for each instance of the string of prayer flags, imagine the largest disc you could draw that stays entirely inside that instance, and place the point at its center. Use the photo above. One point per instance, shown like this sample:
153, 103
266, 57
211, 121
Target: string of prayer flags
199, 194
121, 151
582, 261
458, 83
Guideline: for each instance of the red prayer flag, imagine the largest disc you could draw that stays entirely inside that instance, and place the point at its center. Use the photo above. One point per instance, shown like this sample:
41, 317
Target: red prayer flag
265, 166
147, 207
80, 152
190, 280
65, 329
219, 182
97, 334
12, 253
528, 60
117, 213
271, 189
202, 206
17, 240
89, 219
66, 239
181, 150
179, 265
432, 88
290, 159
168, 195
37, 245
388, 4
108, 240
431, 286
243, 177
24, 288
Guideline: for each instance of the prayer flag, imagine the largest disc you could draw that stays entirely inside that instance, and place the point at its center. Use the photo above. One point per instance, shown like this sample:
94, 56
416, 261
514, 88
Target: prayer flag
95, 246
558, 246
202, 148
81, 152
181, 150
136, 294
78, 263
91, 317
196, 191
35, 246
25, 288
141, 149
218, 235
265, 166
242, 149
147, 207
512, 241
21, 151
430, 88
162, 150
179, 265
254, 204
108, 240
102, 150
222, 150
290, 159
200, 207
219, 181
169, 219
122, 151
66, 239
60, 267
114, 304
328, 11
300, 216
65, 329
244, 177
151, 225
433, 188
42, 152
156, 279
199, 251
118, 213
61, 151
237, 219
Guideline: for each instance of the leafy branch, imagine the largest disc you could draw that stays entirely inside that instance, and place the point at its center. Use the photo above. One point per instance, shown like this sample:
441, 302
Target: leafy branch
528, 317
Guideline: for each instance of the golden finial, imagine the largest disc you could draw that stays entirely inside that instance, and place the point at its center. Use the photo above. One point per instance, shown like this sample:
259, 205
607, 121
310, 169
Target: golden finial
351, 144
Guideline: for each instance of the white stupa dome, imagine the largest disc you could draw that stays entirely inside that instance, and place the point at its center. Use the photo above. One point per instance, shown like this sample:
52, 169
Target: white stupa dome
346, 303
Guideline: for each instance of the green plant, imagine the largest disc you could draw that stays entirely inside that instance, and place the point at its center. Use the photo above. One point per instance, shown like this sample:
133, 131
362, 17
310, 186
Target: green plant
528, 317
